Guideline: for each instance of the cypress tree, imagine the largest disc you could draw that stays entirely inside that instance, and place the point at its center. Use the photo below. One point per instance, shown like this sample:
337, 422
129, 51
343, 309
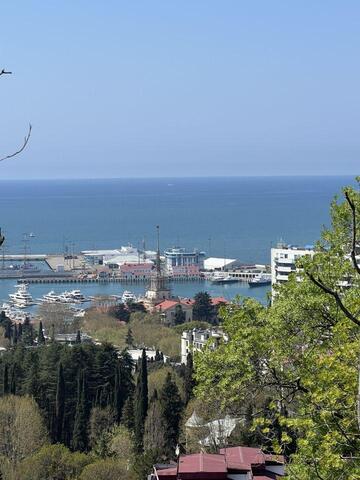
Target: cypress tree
189, 382
79, 440
13, 380
171, 409
78, 337
141, 402
41, 338
20, 330
127, 417
6, 389
60, 405
15, 335
129, 339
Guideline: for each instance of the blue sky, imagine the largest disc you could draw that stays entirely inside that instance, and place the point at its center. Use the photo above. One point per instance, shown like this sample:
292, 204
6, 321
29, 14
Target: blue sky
180, 88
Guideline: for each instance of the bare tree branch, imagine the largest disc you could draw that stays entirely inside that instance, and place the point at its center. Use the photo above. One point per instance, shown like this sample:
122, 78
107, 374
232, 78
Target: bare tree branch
353, 246
4, 72
26, 139
336, 296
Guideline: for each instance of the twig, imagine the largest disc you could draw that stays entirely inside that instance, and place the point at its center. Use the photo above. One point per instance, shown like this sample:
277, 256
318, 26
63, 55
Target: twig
26, 139
353, 246
4, 72
336, 296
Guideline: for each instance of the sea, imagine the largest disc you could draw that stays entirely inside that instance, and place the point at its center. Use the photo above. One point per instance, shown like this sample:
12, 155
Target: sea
237, 217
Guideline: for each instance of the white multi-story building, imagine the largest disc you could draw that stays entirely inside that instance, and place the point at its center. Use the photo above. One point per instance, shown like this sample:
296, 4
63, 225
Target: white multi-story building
196, 339
283, 259
177, 258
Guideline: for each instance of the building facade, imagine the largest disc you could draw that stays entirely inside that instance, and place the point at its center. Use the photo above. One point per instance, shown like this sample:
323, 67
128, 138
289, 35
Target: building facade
283, 259
196, 339
179, 257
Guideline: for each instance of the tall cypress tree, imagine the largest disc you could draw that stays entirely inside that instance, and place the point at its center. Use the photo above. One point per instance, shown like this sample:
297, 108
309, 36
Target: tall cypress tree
41, 338
141, 402
171, 409
189, 382
13, 380
80, 440
6, 389
78, 337
60, 404
127, 417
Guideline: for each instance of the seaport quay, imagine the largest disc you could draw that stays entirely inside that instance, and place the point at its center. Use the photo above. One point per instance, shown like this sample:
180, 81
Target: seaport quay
130, 265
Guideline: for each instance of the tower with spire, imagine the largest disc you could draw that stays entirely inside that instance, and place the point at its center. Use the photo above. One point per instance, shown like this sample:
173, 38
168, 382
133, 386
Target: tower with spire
158, 289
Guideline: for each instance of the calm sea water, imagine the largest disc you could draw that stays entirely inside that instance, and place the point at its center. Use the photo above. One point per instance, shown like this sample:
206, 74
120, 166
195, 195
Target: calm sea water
233, 217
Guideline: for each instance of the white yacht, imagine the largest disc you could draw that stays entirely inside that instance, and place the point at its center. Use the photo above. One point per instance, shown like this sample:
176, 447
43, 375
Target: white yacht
76, 296
128, 297
50, 297
22, 297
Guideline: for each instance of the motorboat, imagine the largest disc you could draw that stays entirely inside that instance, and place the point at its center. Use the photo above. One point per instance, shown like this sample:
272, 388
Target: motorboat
260, 280
50, 297
128, 297
222, 278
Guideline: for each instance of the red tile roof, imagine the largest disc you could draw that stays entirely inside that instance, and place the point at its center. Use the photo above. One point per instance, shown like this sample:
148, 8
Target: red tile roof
248, 456
198, 465
167, 304
205, 466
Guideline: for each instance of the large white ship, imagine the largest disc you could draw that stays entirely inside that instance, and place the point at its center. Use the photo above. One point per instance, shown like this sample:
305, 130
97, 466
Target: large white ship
22, 297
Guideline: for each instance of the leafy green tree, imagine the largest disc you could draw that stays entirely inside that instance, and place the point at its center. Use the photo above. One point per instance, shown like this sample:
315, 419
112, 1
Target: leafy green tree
180, 315
106, 469
203, 309
302, 353
53, 462
141, 401
22, 430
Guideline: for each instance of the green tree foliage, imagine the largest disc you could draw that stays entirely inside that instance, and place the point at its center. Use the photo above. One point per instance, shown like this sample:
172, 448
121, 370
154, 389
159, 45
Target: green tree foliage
129, 339
60, 405
106, 469
180, 315
22, 430
154, 431
53, 462
36, 372
171, 409
301, 354
141, 401
80, 433
189, 381
203, 309
40, 337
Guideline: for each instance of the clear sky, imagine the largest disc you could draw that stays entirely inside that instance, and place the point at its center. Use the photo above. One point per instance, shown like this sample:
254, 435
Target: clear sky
180, 87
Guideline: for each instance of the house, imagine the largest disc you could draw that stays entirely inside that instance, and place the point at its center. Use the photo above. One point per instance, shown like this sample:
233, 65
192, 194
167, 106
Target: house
167, 309
234, 463
197, 338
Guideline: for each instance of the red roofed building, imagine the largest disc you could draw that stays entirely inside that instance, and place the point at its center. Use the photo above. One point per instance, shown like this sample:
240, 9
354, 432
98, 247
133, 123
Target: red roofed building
235, 463
167, 310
